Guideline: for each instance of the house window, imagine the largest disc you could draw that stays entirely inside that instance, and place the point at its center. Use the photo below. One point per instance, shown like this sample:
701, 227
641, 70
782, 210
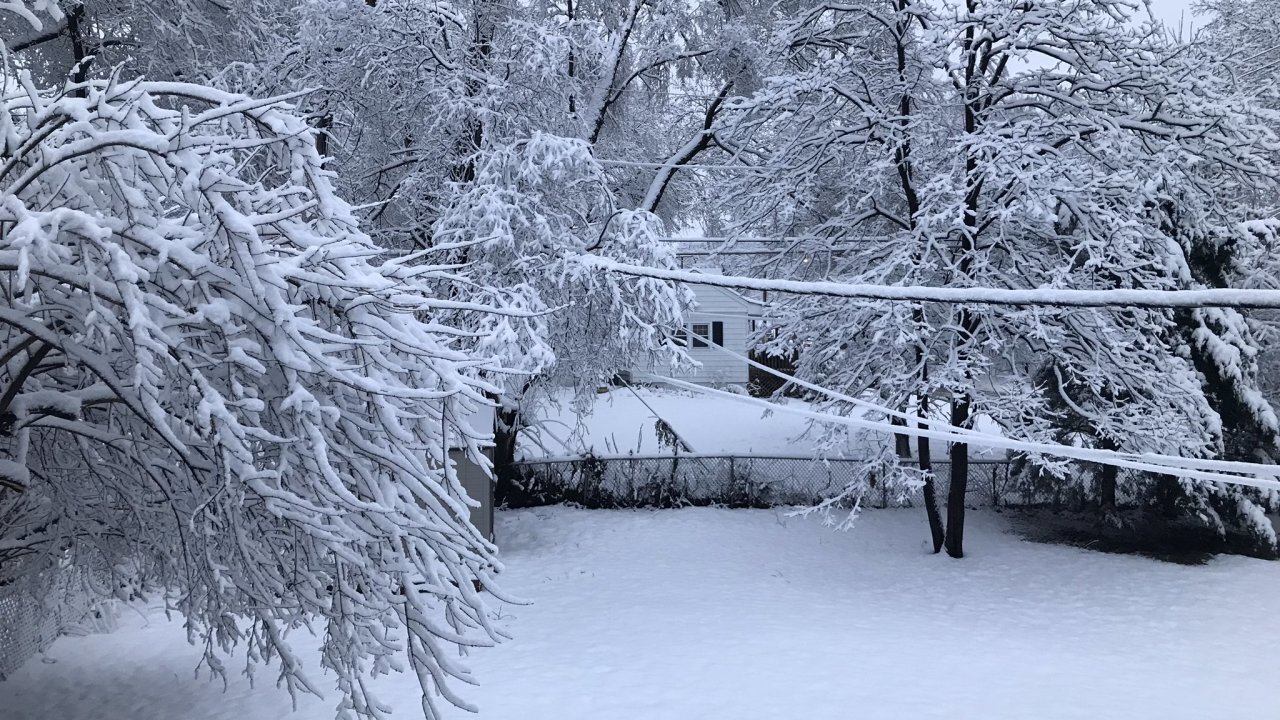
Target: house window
700, 331
702, 335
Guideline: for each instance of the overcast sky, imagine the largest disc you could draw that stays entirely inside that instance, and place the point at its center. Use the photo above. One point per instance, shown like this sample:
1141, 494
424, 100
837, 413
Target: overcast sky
1173, 11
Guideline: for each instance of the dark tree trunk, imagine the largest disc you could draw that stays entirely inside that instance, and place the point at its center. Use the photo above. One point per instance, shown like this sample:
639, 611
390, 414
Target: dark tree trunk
323, 124
573, 66
902, 444
79, 50
901, 441
959, 481
976, 101
506, 432
925, 456
1107, 484
464, 167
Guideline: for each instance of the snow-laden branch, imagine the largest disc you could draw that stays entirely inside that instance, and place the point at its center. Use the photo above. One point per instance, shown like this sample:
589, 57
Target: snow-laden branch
211, 379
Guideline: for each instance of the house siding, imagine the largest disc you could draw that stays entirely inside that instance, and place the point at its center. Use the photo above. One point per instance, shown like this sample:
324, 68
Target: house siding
478, 484
715, 304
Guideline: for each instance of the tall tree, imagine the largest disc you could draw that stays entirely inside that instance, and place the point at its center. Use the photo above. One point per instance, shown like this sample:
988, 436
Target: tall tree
1009, 145
434, 115
213, 382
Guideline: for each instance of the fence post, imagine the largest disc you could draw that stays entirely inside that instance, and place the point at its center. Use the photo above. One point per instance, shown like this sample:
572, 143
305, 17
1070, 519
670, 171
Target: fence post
995, 496
733, 482
675, 470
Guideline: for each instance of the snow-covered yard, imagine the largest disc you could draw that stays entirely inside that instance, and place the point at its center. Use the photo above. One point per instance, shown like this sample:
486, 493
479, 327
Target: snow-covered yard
732, 614
621, 421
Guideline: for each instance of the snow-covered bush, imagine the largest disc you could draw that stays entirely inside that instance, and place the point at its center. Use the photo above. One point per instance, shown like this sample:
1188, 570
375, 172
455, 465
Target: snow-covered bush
210, 375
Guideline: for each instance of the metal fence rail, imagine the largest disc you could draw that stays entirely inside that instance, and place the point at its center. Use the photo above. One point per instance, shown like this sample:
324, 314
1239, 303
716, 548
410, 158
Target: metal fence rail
765, 481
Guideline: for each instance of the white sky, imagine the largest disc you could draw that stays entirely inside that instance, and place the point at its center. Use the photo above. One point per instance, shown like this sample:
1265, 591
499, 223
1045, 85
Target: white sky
1176, 12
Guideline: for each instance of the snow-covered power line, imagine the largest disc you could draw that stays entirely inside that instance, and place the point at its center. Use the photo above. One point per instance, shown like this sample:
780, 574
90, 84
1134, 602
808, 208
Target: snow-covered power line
1044, 297
1143, 463
682, 166
766, 239
1170, 464
757, 251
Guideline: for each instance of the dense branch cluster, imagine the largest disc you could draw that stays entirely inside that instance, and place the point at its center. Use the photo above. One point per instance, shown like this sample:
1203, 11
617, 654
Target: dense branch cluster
264, 261
217, 384
1036, 151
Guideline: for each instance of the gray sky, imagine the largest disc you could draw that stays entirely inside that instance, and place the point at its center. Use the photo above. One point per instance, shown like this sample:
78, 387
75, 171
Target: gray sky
1173, 11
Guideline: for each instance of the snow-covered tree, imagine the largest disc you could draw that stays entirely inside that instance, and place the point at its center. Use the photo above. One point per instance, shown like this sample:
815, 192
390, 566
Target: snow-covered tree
215, 385
437, 120
1016, 145
519, 229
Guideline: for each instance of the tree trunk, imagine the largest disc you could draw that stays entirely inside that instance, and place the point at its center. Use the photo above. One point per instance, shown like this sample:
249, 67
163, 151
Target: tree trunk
902, 444
322, 126
573, 66
506, 431
925, 456
901, 441
1107, 484
959, 481
79, 50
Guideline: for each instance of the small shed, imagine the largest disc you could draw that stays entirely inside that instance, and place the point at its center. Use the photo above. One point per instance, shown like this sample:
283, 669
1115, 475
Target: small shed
720, 317
477, 480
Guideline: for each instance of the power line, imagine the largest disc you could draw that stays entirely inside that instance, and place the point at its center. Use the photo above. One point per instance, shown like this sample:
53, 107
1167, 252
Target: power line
731, 251
682, 166
940, 429
1262, 476
1032, 297
770, 239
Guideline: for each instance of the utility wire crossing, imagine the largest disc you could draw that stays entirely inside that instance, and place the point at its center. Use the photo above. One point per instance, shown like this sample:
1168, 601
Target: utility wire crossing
1032, 297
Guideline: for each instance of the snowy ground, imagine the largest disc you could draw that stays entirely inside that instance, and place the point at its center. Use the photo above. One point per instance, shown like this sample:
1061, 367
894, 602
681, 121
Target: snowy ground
731, 614
619, 422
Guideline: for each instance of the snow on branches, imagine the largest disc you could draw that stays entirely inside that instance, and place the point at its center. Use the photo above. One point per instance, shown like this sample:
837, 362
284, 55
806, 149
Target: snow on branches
534, 210
1032, 151
213, 380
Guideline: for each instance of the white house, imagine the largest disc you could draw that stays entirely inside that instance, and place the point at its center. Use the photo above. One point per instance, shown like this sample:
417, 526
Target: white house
722, 317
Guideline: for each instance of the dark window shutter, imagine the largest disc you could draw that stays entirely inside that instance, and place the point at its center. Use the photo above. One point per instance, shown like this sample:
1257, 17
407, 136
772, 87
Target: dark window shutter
717, 333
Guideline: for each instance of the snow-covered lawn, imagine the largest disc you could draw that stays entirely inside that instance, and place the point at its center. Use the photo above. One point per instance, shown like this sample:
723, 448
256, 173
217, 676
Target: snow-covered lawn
620, 421
732, 614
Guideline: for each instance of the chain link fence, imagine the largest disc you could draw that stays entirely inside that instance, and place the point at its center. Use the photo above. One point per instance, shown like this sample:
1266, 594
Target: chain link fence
766, 481
37, 607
